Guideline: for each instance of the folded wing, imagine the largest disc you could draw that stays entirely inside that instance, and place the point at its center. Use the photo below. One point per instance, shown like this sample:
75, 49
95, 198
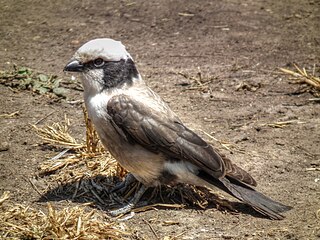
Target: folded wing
158, 132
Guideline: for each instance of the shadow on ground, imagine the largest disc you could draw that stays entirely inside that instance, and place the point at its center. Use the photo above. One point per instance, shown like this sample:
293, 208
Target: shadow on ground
91, 190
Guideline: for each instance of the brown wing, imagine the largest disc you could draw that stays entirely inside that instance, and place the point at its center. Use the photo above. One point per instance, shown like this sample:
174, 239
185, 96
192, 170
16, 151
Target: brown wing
155, 131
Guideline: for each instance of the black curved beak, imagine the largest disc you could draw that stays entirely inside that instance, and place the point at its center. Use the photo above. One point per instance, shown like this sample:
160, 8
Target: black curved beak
74, 66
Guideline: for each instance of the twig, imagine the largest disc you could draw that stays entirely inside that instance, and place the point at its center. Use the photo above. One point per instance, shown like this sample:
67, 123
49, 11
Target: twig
59, 155
186, 14
150, 226
304, 76
153, 206
74, 195
313, 169
281, 124
178, 235
170, 222
97, 196
79, 224
18, 227
35, 188
189, 56
41, 119
215, 139
314, 99
4, 197
221, 26
9, 115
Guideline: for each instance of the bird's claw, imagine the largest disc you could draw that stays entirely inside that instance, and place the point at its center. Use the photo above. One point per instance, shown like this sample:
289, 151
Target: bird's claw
133, 202
122, 186
123, 210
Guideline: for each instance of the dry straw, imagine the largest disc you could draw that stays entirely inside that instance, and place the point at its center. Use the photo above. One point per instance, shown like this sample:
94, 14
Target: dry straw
90, 153
302, 76
23, 222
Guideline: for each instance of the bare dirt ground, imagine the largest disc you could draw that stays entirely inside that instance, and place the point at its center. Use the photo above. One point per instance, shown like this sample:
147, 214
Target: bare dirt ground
237, 45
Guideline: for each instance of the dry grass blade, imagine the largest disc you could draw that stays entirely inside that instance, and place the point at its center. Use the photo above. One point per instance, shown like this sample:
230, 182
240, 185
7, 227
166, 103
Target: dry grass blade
174, 237
152, 229
4, 197
282, 124
302, 76
58, 133
228, 146
23, 222
318, 214
154, 206
92, 139
91, 155
56, 165
307, 169
9, 115
223, 144
185, 14
199, 82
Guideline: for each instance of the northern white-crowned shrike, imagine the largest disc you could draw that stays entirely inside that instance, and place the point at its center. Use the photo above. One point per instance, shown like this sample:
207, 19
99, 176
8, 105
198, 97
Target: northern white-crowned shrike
146, 137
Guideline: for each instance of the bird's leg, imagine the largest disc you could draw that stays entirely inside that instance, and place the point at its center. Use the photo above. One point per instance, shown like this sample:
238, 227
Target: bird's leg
122, 186
132, 203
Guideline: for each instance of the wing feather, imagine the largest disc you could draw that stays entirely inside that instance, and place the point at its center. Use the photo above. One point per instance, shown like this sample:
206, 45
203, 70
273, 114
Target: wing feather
158, 132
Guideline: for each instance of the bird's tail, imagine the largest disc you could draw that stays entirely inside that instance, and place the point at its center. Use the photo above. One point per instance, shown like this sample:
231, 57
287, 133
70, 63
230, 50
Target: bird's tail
257, 200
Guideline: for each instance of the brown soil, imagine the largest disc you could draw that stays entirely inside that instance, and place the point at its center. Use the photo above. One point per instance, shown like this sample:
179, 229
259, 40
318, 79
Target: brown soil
232, 42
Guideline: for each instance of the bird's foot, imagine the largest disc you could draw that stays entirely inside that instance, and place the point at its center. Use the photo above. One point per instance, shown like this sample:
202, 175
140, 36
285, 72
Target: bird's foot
122, 186
123, 210
133, 202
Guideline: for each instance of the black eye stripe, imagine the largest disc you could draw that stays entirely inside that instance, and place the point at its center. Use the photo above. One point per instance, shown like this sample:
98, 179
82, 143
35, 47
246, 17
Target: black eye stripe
119, 72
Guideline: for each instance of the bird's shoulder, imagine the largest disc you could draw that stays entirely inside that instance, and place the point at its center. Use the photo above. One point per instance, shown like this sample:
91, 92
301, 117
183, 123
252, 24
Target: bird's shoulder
142, 102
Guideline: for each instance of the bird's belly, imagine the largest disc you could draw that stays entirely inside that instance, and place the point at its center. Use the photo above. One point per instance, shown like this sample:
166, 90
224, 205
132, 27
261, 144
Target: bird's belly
146, 166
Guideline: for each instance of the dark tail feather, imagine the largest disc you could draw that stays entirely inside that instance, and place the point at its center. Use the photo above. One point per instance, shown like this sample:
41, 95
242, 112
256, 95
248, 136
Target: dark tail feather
258, 201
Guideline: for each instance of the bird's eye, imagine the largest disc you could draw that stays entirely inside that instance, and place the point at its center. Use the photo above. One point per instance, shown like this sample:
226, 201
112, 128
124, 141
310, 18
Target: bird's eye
98, 62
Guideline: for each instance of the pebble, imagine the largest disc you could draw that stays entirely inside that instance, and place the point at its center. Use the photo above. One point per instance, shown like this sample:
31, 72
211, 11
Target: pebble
4, 146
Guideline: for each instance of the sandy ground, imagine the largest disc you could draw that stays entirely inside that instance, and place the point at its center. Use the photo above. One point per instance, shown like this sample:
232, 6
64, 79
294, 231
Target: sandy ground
237, 46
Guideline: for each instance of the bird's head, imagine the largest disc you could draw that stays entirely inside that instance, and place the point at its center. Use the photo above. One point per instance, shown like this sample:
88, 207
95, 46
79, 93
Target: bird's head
104, 63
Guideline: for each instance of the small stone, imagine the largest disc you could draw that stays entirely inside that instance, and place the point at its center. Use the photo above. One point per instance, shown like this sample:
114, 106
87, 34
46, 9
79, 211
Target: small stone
258, 129
280, 143
75, 42
4, 146
241, 138
315, 163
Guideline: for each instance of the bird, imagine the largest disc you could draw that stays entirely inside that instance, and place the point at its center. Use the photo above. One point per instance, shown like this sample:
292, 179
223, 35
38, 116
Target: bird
147, 138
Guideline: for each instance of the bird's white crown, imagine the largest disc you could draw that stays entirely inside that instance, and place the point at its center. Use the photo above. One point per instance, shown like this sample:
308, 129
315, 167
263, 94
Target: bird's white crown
105, 48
